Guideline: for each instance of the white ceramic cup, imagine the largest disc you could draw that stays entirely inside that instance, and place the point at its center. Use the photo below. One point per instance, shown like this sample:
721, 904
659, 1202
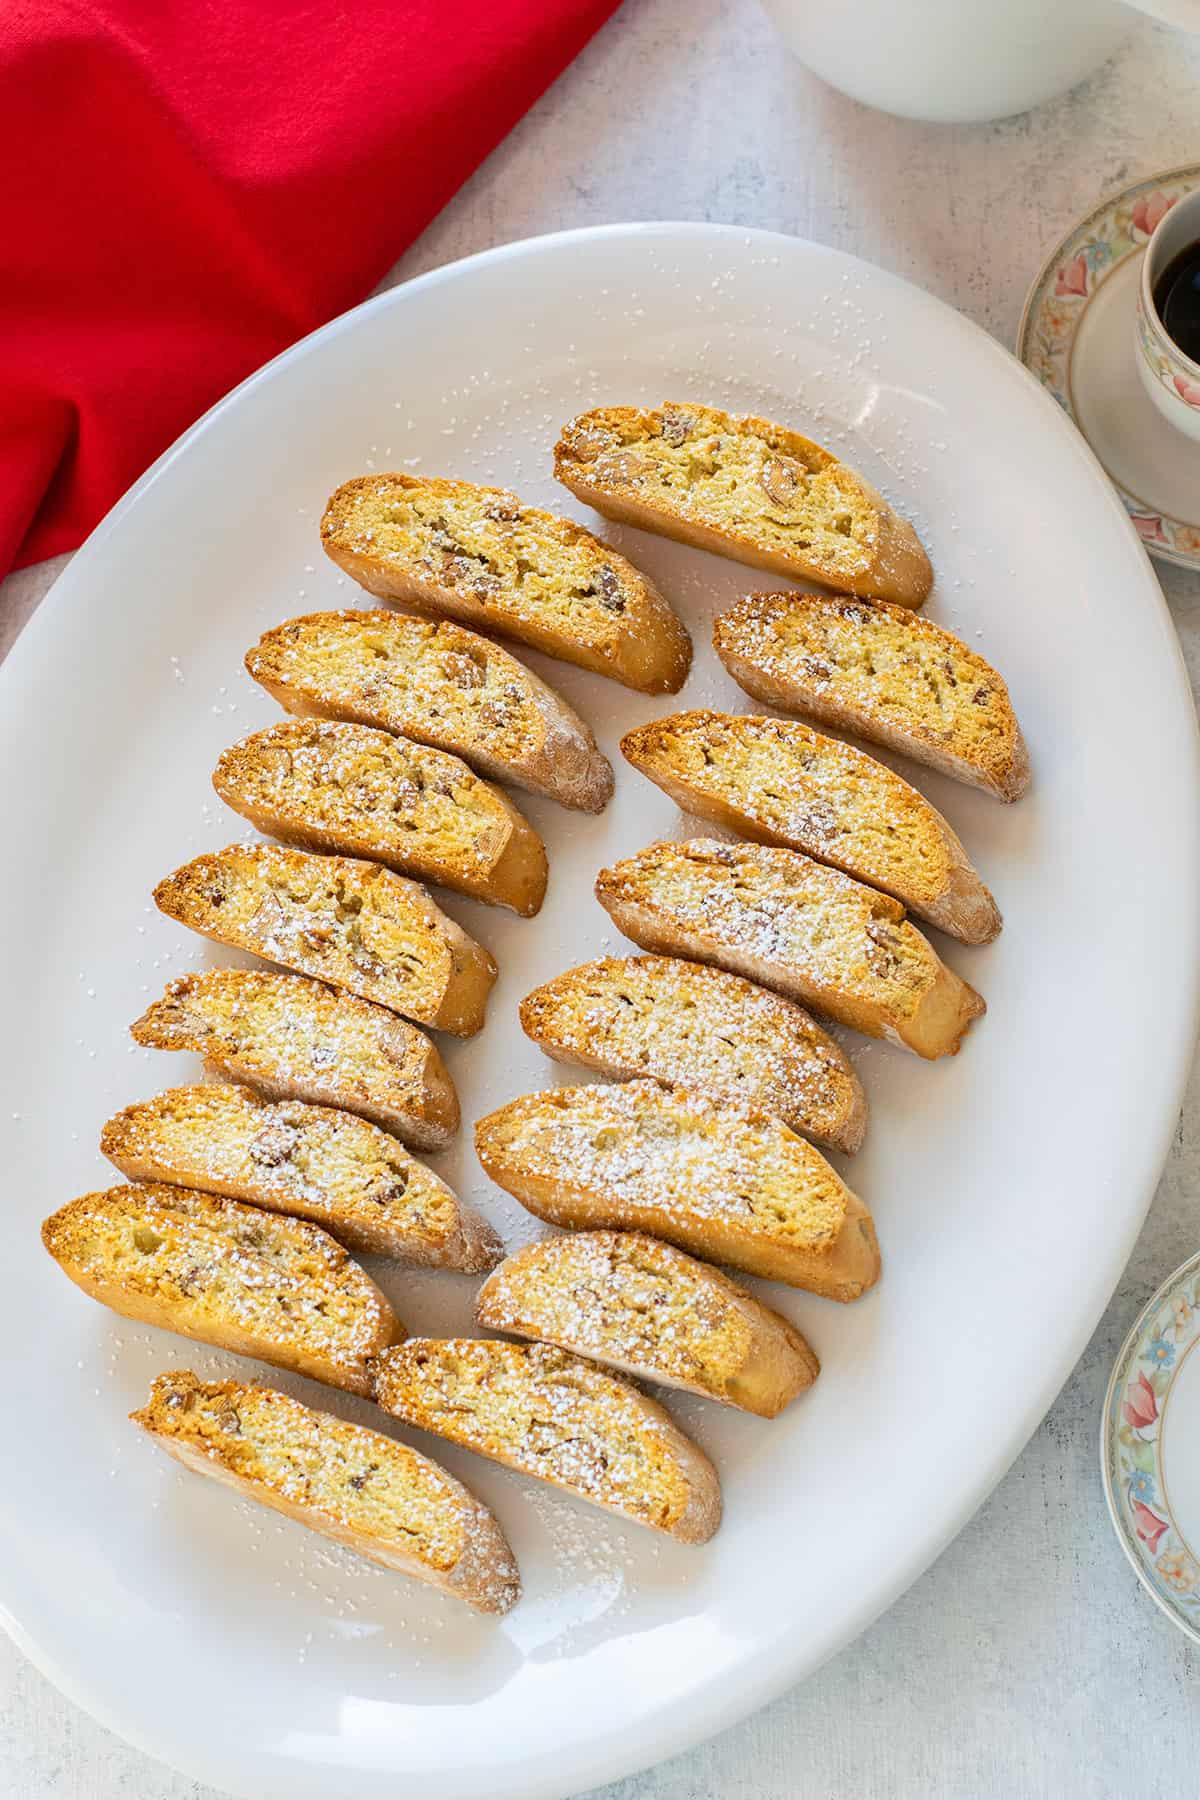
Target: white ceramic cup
961, 60
1171, 379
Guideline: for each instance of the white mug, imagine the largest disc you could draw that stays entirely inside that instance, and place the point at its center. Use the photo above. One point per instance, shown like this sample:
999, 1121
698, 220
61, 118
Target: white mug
960, 60
1171, 379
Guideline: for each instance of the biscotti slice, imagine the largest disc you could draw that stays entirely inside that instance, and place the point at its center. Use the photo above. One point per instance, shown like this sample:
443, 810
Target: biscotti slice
346, 788
682, 1022
544, 1412
728, 1182
807, 931
745, 488
313, 1162
226, 1274
476, 554
780, 782
883, 673
642, 1306
293, 1039
349, 923
430, 680
356, 1486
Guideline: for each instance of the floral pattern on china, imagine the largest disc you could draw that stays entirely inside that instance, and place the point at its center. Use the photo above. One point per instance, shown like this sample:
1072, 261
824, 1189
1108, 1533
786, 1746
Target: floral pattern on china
1115, 230
1188, 391
1138, 1401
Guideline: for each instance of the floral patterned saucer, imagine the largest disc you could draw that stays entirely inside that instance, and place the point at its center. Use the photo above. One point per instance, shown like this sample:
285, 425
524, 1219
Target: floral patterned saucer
1150, 1447
1077, 337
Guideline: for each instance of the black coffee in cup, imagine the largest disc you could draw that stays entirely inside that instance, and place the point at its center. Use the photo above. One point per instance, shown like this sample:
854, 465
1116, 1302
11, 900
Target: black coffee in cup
1177, 300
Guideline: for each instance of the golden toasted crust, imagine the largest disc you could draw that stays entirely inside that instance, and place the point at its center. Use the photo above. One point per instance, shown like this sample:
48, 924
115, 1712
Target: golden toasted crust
645, 1308
329, 786
294, 1039
311, 1161
356, 1486
729, 1182
780, 782
881, 672
544, 1412
227, 1274
430, 680
745, 488
682, 1022
476, 554
811, 933
349, 923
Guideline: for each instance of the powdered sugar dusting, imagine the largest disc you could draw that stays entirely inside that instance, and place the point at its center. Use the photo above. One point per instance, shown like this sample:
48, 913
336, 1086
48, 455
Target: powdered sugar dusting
627, 1300
636, 1153
444, 686
777, 914
682, 1022
220, 1267
547, 1413
780, 779
367, 793
293, 1037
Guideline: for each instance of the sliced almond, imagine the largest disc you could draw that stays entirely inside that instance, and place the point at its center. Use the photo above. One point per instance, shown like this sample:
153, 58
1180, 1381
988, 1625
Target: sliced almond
624, 465
781, 480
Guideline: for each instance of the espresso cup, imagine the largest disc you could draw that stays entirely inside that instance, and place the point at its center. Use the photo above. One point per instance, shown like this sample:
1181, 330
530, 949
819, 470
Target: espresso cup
1171, 379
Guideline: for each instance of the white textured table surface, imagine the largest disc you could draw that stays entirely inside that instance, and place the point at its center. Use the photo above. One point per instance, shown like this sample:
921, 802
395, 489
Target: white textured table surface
1026, 1662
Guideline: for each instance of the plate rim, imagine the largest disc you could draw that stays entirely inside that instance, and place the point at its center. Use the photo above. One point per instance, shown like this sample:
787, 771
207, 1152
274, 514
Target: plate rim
767, 1672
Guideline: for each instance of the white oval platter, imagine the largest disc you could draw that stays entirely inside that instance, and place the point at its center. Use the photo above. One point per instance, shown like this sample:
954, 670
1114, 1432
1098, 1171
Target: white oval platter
1008, 1183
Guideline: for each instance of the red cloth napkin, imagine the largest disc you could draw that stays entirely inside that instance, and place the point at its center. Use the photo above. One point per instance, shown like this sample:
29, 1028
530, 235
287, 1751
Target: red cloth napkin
190, 187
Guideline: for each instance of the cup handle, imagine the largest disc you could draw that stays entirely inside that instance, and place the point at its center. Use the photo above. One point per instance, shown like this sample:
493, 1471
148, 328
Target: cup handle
1184, 15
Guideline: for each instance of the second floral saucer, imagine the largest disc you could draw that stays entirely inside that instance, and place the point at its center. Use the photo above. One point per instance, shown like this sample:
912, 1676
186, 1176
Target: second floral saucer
1150, 1447
1077, 337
